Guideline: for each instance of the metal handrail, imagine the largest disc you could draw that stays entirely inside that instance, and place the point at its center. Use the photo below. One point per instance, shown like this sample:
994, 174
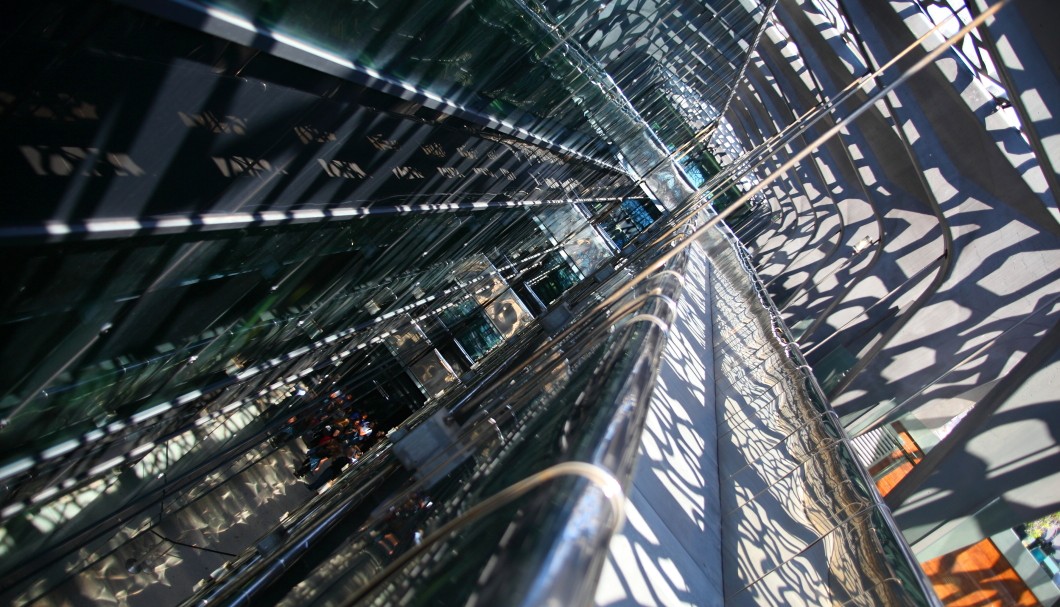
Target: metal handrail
595, 474
611, 445
253, 572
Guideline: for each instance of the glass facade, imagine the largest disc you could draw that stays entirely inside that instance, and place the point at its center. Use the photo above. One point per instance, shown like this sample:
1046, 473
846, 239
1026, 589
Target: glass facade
449, 242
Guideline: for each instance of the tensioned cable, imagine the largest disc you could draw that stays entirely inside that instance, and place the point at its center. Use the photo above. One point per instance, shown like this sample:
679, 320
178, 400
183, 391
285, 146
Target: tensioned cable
795, 129
740, 168
153, 412
840, 124
794, 160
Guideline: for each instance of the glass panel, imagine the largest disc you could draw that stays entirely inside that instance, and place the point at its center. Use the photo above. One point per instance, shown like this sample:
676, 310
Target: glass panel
433, 373
846, 567
557, 276
471, 328
508, 313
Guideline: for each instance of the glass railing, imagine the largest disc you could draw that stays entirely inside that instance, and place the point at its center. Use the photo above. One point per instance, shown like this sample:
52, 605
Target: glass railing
829, 537
446, 533
581, 397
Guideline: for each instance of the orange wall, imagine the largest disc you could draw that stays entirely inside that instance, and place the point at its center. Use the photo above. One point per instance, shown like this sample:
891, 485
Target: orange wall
977, 576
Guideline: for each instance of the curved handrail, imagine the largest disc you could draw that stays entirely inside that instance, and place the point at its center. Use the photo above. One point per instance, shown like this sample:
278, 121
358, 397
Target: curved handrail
595, 474
254, 572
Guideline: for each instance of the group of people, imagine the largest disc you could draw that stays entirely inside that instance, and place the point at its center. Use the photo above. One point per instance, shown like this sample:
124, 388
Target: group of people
337, 435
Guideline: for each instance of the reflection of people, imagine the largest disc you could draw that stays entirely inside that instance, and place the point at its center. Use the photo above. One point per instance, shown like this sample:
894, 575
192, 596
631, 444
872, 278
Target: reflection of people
337, 466
400, 525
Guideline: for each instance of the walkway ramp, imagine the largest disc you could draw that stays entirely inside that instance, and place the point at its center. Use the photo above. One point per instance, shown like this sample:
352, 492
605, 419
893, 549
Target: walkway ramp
746, 491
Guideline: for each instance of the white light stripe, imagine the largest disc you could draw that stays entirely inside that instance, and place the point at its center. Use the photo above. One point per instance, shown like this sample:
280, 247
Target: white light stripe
173, 222
144, 448
251, 372
12, 510
190, 396
43, 495
149, 413
225, 16
16, 467
312, 50
232, 406
57, 450
104, 466
223, 219
93, 226
116, 225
